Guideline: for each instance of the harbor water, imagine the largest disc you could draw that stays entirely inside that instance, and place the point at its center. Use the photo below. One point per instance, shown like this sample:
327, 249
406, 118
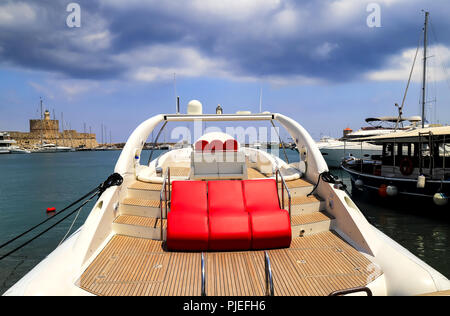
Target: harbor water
29, 184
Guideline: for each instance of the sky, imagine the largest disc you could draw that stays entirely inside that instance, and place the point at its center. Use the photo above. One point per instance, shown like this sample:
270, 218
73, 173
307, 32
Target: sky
319, 62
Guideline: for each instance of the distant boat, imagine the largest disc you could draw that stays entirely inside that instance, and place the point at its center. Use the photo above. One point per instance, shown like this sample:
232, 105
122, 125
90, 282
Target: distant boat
18, 150
334, 151
5, 143
51, 148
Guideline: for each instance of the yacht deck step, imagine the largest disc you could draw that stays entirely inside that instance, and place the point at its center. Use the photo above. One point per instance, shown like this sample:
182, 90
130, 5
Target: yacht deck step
310, 224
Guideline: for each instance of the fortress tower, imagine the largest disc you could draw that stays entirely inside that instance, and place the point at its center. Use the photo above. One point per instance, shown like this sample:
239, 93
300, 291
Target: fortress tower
48, 131
47, 126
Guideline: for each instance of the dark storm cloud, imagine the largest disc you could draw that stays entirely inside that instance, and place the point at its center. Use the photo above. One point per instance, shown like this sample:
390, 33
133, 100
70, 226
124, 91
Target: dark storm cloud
324, 40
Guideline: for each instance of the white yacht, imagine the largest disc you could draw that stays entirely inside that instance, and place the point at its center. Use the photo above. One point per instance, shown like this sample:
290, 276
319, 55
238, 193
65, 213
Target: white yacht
51, 148
219, 219
5, 143
18, 150
335, 151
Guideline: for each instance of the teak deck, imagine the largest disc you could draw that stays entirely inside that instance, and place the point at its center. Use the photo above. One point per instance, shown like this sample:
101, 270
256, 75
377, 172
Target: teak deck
314, 265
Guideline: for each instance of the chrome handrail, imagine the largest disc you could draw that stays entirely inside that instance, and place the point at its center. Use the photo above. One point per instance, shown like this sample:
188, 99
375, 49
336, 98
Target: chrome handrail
352, 291
155, 141
269, 278
163, 198
203, 275
282, 192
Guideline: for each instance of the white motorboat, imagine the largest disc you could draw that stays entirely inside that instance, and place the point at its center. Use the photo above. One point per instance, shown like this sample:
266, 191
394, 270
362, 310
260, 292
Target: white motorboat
5, 143
51, 148
194, 219
335, 151
19, 150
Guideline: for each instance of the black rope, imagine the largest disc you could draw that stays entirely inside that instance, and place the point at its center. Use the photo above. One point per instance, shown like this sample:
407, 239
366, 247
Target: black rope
329, 178
45, 231
113, 180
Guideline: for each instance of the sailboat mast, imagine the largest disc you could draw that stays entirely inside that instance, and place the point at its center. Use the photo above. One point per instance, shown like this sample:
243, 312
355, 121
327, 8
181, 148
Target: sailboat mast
424, 87
42, 124
62, 127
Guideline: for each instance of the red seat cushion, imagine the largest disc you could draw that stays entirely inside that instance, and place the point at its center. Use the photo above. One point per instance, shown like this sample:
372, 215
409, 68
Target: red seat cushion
230, 145
229, 231
225, 196
187, 231
229, 223
271, 226
270, 229
215, 145
189, 196
260, 195
201, 145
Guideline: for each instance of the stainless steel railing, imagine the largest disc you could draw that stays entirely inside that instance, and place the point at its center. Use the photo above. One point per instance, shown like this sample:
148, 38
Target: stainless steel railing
284, 187
352, 291
203, 275
269, 278
163, 200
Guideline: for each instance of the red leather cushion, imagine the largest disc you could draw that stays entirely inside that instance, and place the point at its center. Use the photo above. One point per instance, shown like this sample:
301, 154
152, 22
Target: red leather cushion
187, 231
229, 231
260, 195
201, 145
215, 145
230, 145
270, 229
225, 196
189, 196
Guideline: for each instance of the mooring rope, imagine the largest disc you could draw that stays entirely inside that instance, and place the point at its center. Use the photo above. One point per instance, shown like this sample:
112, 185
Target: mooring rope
329, 178
113, 180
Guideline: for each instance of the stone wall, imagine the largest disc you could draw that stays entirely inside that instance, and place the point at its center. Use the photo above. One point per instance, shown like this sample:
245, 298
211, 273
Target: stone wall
70, 138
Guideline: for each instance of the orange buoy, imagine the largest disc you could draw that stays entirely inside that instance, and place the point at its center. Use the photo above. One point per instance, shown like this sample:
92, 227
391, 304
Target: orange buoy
382, 191
51, 210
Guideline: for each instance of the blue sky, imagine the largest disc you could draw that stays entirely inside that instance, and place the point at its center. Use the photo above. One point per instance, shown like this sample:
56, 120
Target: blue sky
317, 61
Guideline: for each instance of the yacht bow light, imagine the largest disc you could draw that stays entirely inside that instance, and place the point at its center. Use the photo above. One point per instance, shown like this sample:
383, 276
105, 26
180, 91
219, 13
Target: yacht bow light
195, 108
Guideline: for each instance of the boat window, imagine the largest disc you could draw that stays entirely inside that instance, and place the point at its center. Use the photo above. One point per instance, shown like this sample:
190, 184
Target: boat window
388, 150
444, 150
425, 150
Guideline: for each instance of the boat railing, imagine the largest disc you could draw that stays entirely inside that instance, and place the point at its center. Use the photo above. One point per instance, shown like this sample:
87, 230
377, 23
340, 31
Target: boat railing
164, 199
352, 291
269, 277
283, 187
203, 275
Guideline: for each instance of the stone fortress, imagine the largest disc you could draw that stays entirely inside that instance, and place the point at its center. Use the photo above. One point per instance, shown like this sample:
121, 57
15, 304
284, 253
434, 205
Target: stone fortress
48, 131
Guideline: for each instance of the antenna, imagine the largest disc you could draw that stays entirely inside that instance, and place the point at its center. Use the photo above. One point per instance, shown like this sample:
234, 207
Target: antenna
42, 124
177, 105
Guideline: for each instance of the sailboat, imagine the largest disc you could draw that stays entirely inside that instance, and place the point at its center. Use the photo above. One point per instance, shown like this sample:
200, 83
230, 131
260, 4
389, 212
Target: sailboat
413, 163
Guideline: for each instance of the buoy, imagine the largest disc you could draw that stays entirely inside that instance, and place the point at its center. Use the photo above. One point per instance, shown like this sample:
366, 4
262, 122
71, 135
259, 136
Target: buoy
440, 199
392, 190
421, 182
382, 191
51, 210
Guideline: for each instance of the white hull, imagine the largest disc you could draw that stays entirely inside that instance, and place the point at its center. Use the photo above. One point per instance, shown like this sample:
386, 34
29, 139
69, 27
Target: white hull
335, 151
46, 150
61, 271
